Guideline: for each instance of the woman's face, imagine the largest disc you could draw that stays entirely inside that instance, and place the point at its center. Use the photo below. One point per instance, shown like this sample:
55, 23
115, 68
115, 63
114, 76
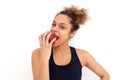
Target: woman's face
61, 26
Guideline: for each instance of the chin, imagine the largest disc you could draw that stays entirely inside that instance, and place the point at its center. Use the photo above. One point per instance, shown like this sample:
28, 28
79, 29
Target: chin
54, 45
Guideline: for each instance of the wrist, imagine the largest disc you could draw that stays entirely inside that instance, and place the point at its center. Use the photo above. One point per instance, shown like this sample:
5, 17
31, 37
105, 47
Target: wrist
44, 60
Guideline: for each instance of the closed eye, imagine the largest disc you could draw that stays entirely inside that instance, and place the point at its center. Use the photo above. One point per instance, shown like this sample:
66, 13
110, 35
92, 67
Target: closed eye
62, 27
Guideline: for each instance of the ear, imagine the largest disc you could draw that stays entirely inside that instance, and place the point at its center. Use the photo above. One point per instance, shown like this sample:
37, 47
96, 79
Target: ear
73, 33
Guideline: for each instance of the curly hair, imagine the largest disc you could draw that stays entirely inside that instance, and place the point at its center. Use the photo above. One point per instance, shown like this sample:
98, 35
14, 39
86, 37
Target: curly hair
78, 16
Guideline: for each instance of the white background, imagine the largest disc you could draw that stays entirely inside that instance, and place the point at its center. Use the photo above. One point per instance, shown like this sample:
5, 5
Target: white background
22, 21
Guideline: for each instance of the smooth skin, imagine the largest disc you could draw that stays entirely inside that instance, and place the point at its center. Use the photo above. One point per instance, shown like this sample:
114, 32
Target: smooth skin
61, 52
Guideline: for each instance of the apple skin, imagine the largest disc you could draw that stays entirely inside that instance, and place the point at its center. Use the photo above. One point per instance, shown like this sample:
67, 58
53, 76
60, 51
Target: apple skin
52, 36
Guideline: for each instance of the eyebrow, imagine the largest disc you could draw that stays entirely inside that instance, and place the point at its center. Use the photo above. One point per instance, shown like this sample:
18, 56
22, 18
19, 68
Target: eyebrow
60, 23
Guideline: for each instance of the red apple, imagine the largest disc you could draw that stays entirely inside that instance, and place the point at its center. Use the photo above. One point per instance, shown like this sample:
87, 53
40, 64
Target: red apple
52, 36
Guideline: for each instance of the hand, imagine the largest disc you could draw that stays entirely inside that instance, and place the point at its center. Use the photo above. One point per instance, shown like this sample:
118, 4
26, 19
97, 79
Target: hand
45, 45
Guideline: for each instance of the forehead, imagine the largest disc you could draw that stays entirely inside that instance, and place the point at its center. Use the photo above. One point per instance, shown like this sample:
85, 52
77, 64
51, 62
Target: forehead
62, 18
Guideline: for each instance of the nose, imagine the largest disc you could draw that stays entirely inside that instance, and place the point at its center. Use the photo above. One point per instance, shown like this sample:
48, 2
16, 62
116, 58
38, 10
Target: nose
54, 28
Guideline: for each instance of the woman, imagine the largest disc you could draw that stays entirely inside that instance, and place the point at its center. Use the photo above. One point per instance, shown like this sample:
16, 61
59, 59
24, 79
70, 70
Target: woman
55, 59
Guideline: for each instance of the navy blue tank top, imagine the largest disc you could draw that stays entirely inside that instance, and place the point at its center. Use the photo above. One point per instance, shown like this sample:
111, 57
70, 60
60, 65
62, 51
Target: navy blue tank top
71, 71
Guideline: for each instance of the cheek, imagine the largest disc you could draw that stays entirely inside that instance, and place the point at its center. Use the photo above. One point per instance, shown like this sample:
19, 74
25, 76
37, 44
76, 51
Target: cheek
65, 36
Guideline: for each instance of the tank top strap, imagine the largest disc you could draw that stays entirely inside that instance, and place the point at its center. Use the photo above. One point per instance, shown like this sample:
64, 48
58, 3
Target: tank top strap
74, 55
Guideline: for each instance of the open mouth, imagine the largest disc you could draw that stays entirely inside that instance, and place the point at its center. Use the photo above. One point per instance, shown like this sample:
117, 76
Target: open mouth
57, 38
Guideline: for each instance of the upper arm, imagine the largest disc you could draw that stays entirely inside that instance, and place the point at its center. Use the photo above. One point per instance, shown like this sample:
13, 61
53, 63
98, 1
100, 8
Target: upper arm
89, 61
35, 63
92, 64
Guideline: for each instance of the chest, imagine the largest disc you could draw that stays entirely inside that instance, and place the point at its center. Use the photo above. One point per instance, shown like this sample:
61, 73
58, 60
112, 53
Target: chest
70, 71
62, 60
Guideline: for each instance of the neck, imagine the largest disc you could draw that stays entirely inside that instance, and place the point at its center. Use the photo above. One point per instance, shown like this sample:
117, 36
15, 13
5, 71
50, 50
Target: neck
61, 50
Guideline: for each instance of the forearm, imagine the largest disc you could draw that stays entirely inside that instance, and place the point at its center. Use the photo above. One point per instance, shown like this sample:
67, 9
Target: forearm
44, 71
106, 77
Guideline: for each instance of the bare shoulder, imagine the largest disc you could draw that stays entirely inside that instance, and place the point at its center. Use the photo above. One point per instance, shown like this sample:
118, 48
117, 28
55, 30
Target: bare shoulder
35, 55
84, 56
82, 52
36, 52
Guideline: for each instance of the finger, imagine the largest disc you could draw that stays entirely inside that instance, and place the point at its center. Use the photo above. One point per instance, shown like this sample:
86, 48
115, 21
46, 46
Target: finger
52, 41
47, 37
41, 38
